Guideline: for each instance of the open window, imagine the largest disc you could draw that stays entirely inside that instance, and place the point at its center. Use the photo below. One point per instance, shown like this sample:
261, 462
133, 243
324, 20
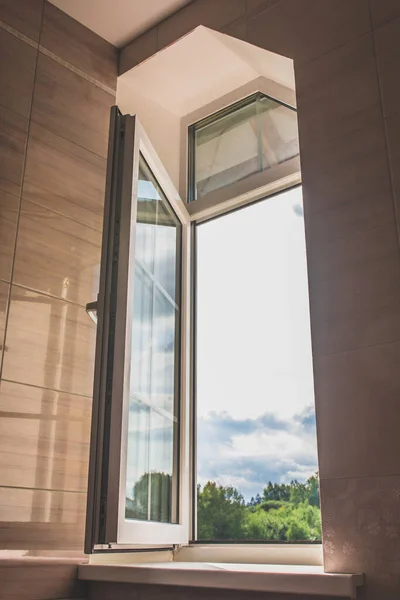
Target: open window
232, 150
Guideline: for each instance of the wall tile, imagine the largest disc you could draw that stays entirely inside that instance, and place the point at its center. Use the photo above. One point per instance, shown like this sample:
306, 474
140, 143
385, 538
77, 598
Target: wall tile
18, 61
138, 50
354, 166
64, 177
13, 136
79, 46
388, 56
358, 396
361, 531
124, 591
71, 106
50, 343
41, 520
202, 12
286, 27
56, 255
338, 92
355, 291
4, 291
393, 137
238, 29
23, 15
9, 205
46, 447
255, 6
384, 10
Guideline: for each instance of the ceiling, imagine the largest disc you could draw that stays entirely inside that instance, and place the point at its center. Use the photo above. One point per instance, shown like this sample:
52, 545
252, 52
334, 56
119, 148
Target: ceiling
119, 21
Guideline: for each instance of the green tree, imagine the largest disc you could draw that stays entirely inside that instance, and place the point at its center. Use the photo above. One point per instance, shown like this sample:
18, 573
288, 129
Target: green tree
220, 513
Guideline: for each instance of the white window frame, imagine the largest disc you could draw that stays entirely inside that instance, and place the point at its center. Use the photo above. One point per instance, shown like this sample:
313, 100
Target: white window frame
180, 538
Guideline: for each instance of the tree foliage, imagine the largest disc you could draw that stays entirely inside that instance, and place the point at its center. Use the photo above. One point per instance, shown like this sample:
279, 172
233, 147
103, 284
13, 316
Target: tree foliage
284, 512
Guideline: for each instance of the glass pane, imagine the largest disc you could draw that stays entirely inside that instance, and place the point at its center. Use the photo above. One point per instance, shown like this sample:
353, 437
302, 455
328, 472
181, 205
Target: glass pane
153, 412
256, 437
252, 136
279, 134
226, 150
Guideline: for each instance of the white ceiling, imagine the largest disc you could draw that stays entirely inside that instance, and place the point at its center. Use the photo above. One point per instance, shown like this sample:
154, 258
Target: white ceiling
119, 21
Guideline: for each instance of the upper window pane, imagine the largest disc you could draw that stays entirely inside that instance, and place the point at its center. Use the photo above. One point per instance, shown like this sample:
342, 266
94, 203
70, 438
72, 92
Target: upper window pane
251, 136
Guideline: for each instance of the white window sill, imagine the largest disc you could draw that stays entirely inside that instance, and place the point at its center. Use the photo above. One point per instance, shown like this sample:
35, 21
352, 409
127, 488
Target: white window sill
287, 579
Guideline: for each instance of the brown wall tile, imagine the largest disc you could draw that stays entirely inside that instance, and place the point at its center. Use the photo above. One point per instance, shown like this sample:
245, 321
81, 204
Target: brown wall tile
138, 50
40, 579
64, 177
384, 10
338, 92
23, 15
393, 137
41, 520
344, 171
388, 56
18, 61
13, 136
307, 29
44, 439
202, 12
50, 343
361, 532
256, 6
354, 287
9, 206
359, 404
71, 106
79, 46
56, 255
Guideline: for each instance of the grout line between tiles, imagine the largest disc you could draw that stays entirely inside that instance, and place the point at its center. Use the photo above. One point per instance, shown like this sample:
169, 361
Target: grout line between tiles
38, 489
47, 295
350, 477
7, 312
41, 387
53, 56
378, 71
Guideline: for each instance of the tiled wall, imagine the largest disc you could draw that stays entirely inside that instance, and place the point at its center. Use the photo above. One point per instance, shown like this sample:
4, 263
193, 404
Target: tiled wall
347, 67
57, 83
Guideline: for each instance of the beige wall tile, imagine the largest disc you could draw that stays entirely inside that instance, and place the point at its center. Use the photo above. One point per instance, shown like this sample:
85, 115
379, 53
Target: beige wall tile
354, 287
138, 50
56, 255
361, 531
18, 61
359, 404
388, 56
45, 446
9, 205
23, 15
71, 106
41, 520
79, 46
307, 29
4, 292
202, 12
40, 579
64, 177
13, 136
50, 343
384, 10
338, 92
